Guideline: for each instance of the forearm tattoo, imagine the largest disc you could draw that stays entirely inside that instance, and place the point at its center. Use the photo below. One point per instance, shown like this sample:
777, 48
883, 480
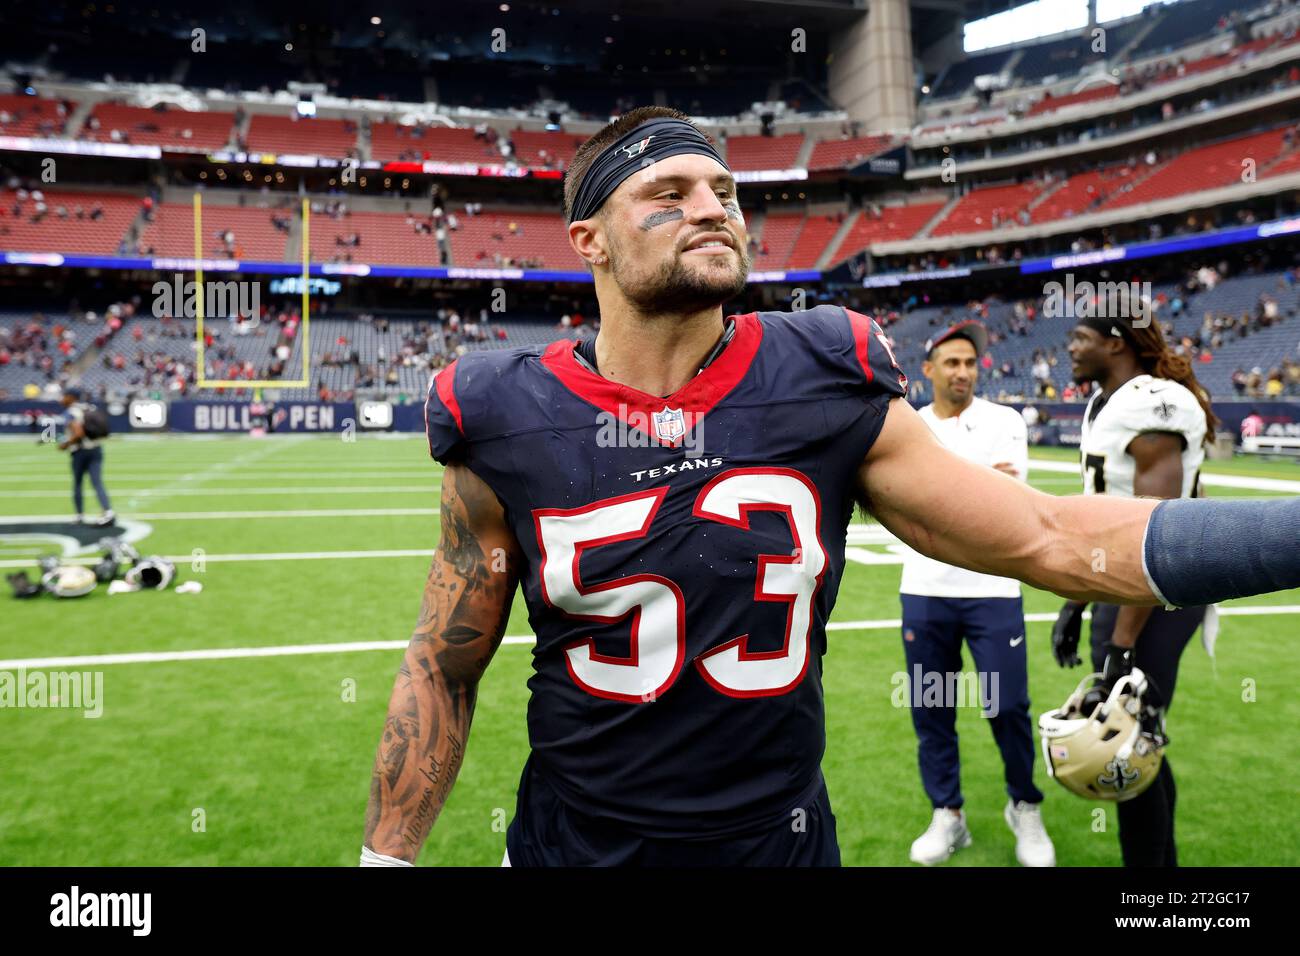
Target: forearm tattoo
462, 618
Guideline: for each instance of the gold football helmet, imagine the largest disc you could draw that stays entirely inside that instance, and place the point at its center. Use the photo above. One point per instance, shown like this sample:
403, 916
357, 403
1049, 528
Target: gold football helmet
69, 580
1113, 753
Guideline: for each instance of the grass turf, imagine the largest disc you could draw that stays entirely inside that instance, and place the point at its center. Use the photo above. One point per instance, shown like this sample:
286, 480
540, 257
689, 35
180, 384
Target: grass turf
277, 754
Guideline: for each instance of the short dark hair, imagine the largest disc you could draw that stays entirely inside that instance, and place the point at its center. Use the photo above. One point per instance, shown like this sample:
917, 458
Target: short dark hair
606, 137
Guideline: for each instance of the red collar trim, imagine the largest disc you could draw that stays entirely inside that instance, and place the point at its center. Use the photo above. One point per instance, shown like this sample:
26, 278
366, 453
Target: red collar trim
636, 408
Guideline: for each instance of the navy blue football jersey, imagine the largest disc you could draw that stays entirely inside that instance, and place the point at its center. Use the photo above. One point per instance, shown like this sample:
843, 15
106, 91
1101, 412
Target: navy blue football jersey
682, 556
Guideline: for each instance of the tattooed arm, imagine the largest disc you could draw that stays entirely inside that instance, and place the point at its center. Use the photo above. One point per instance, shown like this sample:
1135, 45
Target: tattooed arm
466, 604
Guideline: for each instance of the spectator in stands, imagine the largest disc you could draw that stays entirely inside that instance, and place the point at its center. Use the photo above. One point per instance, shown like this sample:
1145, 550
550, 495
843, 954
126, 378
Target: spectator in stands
1252, 425
1042, 373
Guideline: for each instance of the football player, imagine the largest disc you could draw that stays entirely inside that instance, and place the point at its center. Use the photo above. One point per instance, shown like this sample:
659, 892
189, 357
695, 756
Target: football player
942, 604
673, 499
1144, 434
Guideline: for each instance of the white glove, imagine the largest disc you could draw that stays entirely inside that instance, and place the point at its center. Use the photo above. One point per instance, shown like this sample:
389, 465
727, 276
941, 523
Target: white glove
1210, 629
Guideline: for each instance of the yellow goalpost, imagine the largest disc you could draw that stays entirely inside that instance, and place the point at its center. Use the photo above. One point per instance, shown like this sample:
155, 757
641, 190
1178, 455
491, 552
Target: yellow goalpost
203, 381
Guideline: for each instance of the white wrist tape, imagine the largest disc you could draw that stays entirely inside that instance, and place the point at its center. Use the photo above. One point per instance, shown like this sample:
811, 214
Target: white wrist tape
370, 858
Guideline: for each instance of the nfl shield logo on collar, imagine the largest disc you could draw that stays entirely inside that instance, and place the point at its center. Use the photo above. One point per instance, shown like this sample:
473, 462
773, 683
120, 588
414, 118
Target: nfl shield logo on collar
670, 424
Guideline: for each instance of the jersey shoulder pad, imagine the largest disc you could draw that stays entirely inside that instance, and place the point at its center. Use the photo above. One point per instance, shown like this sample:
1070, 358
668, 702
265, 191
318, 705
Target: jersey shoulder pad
1149, 404
442, 416
463, 397
851, 343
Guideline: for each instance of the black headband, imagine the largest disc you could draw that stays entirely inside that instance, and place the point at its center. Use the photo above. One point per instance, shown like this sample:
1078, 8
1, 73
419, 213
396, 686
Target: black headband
1111, 328
646, 144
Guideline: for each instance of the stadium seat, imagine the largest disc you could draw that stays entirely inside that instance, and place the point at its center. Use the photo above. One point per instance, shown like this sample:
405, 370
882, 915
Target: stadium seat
172, 232
748, 153
987, 208
56, 233
31, 116
333, 138
893, 224
844, 153
172, 128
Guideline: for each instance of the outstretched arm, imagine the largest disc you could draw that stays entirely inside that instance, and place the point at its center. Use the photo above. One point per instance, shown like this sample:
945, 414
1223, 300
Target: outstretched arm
1085, 548
466, 605
1158, 473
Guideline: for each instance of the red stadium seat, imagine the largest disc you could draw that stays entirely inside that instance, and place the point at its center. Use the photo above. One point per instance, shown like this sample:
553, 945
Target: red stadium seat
844, 153
895, 223
1049, 104
987, 208
813, 239
540, 236
172, 232
763, 152
55, 233
386, 239
1219, 164
31, 116
334, 138
780, 232
560, 147
1082, 193
390, 142
172, 128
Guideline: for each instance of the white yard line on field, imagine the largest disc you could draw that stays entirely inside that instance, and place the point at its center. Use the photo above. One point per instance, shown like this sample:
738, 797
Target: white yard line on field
234, 474
1211, 480
295, 650
185, 559
223, 515
377, 490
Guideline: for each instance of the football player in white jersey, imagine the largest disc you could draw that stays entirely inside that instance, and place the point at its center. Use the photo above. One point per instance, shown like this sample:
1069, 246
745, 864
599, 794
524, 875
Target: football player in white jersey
943, 604
1144, 435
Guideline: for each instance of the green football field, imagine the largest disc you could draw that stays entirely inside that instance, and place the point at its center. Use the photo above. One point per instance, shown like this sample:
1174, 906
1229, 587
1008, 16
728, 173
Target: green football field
253, 759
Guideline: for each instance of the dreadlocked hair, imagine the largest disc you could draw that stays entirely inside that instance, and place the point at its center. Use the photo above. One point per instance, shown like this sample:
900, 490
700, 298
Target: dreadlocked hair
1159, 360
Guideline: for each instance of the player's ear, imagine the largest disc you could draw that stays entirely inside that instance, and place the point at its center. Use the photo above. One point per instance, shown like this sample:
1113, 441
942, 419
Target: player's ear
927, 368
587, 236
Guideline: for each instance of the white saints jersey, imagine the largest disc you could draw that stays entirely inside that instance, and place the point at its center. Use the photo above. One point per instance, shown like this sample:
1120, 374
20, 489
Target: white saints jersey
987, 434
1143, 404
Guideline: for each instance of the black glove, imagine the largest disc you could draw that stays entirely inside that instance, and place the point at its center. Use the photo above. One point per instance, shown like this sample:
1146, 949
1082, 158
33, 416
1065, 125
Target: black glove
1065, 634
106, 570
23, 586
1119, 662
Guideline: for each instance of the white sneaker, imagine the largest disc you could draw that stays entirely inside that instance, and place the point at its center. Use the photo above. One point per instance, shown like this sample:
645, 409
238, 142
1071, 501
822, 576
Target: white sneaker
946, 835
106, 519
1033, 845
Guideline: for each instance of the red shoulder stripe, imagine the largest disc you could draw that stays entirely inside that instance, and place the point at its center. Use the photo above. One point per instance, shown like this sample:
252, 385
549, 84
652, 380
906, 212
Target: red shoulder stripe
861, 326
445, 382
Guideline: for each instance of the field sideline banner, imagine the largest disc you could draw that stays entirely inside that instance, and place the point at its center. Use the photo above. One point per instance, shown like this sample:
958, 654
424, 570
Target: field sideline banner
1281, 418
234, 417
